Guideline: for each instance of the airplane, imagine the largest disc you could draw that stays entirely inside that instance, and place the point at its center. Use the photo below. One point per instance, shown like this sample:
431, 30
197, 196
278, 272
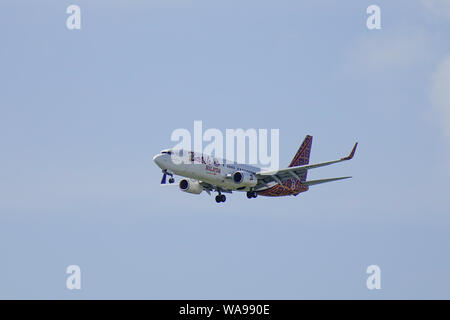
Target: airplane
205, 173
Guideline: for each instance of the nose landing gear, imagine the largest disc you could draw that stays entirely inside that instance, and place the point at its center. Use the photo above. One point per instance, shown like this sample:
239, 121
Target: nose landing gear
165, 174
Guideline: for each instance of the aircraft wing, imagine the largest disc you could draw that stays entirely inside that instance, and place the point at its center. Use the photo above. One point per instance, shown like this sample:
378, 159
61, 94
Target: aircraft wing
209, 188
297, 171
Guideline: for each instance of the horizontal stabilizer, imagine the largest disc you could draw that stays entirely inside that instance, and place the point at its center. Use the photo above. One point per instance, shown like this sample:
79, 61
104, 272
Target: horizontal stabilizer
313, 182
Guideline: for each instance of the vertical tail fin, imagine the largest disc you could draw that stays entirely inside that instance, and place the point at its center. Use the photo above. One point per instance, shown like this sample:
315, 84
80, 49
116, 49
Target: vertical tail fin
302, 155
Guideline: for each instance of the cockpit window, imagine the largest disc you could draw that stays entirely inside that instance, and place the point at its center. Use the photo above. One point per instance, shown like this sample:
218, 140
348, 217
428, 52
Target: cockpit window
166, 152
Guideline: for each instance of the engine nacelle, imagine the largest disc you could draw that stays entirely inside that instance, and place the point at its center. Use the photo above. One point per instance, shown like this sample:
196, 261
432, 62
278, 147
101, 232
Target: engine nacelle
190, 186
244, 179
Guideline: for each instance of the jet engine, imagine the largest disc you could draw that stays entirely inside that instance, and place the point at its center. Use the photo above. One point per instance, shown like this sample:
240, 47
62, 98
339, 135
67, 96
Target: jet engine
190, 186
244, 179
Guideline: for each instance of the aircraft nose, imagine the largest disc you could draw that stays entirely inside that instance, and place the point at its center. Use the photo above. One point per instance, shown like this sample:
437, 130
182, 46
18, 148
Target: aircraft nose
158, 159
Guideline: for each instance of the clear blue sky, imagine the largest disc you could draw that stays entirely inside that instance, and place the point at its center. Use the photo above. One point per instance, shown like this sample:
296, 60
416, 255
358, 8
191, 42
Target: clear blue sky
83, 112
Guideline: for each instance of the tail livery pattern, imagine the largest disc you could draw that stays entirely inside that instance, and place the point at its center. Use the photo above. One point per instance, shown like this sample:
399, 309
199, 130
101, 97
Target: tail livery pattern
287, 188
293, 186
302, 156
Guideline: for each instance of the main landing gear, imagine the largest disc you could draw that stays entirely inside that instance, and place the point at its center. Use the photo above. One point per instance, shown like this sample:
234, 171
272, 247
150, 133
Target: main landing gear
220, 198
251, 194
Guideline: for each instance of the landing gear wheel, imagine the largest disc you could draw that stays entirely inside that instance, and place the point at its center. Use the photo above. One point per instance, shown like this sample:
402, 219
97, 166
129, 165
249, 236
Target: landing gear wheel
171, 180
220, 198
251, 194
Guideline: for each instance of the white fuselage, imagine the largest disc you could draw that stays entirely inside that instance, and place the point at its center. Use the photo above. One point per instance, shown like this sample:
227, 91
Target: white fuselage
214, 171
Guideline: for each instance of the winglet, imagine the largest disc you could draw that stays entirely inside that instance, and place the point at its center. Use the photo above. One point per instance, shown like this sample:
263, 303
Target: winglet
350, 156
